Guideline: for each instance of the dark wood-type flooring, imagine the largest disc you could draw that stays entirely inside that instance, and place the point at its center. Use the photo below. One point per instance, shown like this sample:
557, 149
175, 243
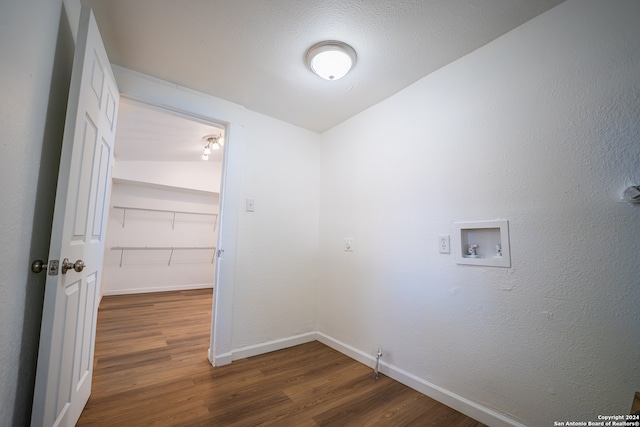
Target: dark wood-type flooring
151, 369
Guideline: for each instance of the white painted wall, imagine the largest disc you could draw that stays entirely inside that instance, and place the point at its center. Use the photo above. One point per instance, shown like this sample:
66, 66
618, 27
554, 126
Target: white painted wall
276, 270
36, 47
153, 270
540, 127
200, 176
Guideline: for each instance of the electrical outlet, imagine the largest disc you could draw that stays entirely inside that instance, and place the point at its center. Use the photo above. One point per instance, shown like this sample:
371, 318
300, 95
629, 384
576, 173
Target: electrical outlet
443, 244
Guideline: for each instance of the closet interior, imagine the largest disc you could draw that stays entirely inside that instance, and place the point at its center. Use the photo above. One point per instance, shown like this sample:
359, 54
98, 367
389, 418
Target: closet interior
164, 204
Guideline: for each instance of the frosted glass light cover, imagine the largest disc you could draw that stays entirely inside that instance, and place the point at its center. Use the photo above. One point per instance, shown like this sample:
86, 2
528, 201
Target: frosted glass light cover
331, 59
331, 65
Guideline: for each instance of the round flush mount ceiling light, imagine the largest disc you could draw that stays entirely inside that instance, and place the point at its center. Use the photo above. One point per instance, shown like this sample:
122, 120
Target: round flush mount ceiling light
331, 59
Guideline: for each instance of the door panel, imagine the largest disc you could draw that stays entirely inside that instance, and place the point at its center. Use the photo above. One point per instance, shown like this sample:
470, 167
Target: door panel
65, 357
99, 225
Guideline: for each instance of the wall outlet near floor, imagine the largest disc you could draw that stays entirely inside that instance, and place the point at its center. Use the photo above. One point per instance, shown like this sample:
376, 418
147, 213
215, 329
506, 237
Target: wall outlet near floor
443, 244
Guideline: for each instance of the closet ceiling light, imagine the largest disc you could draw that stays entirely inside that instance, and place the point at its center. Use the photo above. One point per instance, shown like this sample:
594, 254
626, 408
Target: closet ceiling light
214, 142
331, 59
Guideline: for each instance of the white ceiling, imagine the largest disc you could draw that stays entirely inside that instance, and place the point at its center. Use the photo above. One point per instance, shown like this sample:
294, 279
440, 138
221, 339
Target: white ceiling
146, 133
251, 52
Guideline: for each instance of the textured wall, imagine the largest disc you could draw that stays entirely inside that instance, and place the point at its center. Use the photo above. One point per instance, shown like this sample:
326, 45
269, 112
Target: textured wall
36, 47
276, 276
539, 127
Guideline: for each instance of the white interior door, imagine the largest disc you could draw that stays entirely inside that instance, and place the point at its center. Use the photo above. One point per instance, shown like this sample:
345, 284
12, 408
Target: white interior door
67, 338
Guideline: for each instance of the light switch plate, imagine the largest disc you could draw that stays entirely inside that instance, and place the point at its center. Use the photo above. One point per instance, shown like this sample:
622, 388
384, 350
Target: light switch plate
251, 205
348, 244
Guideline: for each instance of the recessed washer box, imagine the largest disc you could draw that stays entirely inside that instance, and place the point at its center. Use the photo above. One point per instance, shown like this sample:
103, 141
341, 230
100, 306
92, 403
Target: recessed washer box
483, 243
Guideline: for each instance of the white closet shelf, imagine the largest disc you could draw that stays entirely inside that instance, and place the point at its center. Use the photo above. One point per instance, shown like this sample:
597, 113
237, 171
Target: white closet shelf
122, 249
173, 212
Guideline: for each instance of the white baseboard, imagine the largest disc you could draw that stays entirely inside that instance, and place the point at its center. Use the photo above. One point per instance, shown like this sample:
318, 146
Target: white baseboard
149, 289
347, 350
254, 350
221, 359
474, 410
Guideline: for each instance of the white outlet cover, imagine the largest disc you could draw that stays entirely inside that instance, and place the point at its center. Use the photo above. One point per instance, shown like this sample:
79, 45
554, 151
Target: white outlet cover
444, 244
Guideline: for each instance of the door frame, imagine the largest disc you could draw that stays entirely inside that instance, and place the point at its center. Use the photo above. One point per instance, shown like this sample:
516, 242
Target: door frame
208, 121
188, 103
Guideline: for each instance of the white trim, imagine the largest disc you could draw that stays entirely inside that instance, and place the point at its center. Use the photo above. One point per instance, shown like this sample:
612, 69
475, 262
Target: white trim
177, 112
152, 90
347, 350
472, 409
225, 267
222, 359
267, 347
144, 290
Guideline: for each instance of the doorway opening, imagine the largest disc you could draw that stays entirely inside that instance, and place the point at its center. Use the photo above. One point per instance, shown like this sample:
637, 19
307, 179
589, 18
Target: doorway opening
163, 223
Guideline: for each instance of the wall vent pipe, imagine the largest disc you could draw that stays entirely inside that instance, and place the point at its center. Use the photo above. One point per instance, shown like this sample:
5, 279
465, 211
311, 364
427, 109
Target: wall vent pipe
375, 370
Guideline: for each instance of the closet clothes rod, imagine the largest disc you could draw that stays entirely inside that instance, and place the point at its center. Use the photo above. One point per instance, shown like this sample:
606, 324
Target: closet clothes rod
161, 248
173, 222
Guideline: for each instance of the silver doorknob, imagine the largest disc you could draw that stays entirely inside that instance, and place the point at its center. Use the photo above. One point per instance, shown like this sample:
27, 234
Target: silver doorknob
38, 266
68, 265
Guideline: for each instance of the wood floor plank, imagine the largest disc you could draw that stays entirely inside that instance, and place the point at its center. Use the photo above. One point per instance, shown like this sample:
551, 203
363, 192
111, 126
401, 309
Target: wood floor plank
151, 369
